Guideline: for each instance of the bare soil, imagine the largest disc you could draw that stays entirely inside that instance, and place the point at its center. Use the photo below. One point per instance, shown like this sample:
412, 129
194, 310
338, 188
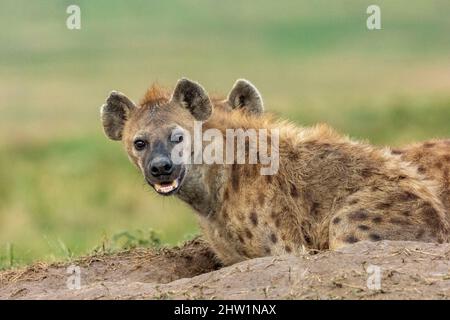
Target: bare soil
409, 270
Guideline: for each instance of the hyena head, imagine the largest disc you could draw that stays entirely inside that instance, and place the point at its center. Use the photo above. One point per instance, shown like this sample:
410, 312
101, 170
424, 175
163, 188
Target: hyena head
152, 131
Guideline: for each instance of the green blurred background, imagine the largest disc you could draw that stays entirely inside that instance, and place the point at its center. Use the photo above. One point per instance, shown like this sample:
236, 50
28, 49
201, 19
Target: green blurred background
65, 189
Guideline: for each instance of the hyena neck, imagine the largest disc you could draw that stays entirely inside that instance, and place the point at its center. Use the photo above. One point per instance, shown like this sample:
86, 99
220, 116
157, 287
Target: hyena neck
203, 188
205, 184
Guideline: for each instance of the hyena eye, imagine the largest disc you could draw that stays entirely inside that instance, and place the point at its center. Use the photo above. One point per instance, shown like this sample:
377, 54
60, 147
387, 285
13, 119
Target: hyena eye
140, 145
177, 138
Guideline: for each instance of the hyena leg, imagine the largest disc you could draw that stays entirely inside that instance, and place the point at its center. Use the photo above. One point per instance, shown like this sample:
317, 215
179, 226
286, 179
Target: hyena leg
395, 216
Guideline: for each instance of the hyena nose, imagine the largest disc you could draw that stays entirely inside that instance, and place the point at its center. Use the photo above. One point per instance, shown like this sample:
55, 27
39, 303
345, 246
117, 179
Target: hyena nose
161, 166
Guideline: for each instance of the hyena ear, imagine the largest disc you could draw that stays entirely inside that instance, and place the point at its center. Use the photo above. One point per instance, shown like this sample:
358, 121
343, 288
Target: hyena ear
244, 95
114, 113
193, 97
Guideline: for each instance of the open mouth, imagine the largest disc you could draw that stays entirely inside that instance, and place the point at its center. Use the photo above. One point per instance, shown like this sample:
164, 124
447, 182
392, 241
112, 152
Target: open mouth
168, 188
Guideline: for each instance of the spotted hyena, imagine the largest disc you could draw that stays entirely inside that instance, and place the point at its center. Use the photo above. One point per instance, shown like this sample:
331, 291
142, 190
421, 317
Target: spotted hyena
329, 190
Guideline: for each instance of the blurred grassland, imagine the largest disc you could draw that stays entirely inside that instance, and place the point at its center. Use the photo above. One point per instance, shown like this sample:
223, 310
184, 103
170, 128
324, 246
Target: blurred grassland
65, 189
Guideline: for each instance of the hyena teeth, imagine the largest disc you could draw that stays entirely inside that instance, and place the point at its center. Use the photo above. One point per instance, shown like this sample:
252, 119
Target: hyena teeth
166, 188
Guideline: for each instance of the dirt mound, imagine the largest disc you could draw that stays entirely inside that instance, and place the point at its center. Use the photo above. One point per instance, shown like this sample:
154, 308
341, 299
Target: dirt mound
136, 265
408, 270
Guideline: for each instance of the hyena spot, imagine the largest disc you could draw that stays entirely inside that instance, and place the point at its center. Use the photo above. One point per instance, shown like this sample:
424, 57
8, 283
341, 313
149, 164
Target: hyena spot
226, 195
336, 220
307, 239
240, 238
407, 196
273, 215
254, 218
374, 237
273, 238
351, 239
292, 156
353, 202
431, 216
267, 250
248, 233
288, 249
399, 221
358, 215
366, 173
377, 219
383, 205
294, 191
314, 209
420, 233
421, 169
438, 165
429, 144
396, 151
363, 227
235, 177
